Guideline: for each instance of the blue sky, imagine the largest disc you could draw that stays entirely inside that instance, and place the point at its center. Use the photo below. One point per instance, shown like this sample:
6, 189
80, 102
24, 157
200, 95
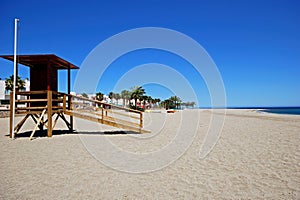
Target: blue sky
255, 44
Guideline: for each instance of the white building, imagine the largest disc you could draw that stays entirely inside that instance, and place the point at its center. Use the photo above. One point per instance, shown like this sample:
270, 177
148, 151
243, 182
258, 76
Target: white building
4, 95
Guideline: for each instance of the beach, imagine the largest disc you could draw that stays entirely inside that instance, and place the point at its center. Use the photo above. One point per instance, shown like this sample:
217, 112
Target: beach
257, 156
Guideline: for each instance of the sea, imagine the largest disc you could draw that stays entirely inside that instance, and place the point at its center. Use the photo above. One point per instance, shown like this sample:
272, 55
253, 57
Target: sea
275, 110
287, 111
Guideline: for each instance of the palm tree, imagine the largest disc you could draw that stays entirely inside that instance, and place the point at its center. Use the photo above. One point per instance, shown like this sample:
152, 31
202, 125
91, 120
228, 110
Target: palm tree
150, 100
176, 101
193, 104
9, 83
125, 94
99, 96
111, 96
189, 104
166, 104
156, 100
144, 99
117, 96
137, 93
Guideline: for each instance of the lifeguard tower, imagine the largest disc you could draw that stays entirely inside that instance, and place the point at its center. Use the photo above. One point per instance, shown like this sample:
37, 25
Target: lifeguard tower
43, 101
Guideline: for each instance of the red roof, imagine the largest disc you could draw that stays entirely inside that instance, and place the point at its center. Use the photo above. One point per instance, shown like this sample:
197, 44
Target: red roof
41, 59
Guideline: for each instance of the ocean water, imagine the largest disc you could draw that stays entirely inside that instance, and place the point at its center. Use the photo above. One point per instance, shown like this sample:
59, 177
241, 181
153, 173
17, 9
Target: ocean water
287, 111
275, 110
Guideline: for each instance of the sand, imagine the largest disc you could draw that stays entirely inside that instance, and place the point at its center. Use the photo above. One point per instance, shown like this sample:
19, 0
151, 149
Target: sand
256, 157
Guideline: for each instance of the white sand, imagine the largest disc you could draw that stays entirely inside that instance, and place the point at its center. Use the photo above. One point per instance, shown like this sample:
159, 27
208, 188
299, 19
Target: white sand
256, 157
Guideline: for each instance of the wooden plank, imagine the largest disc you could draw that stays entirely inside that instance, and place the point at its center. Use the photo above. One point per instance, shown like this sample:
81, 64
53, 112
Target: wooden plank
30, 100
37, 108
24, 112
41, 108
31, 92
37, 100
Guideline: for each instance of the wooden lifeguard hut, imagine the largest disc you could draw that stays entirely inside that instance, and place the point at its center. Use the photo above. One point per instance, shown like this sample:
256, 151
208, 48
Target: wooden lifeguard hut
43, 101
43, 93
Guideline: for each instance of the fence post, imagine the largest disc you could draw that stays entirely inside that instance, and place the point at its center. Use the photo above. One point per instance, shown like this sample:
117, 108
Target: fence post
70, 108
49, 108
102, 115
64, 102
141, 120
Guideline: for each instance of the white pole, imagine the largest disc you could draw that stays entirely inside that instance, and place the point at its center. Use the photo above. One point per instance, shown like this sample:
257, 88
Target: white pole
15, 79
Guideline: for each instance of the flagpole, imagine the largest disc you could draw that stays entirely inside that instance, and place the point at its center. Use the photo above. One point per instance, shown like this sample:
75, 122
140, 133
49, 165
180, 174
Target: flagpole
15, 79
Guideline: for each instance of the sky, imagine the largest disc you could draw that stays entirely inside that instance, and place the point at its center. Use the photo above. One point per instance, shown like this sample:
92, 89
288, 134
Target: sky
255, 45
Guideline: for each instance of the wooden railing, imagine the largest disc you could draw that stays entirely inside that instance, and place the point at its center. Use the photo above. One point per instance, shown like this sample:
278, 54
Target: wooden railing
107, 113
35, 102
38, 104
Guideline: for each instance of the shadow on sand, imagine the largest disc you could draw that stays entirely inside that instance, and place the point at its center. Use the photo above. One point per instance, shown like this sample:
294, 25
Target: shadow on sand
43, 133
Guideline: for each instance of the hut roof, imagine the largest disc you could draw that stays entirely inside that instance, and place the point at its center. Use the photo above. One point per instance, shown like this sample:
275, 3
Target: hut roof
41, 59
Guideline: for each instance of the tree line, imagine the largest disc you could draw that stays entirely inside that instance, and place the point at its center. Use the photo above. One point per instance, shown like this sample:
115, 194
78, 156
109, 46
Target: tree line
141, 101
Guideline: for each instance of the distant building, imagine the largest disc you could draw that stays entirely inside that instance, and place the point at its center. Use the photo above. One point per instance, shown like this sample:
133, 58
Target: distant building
4, 95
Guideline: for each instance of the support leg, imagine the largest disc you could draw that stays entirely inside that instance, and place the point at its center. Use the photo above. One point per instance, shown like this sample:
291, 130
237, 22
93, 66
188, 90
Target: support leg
55, 121
65, 120
38, 122
20, 124
49, 105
